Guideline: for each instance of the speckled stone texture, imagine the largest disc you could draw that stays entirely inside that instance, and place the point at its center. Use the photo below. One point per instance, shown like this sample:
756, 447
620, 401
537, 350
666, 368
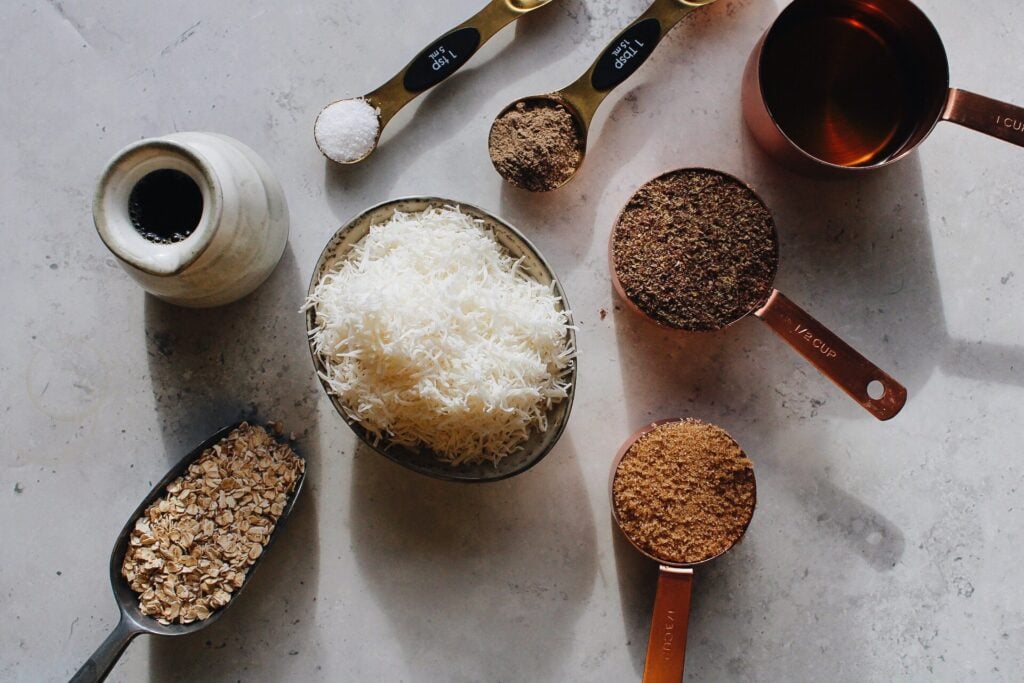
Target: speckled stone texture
878, 551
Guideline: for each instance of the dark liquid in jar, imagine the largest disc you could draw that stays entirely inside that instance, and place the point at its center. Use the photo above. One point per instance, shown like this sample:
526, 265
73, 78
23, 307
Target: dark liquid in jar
165, 206
842, 88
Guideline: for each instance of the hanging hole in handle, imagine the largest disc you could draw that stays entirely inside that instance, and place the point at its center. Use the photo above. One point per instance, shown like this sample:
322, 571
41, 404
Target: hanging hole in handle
876, 390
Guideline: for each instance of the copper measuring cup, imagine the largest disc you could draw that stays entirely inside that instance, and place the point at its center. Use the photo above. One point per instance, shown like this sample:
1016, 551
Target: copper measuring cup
840, 86
849, 370
439, 60
666, 645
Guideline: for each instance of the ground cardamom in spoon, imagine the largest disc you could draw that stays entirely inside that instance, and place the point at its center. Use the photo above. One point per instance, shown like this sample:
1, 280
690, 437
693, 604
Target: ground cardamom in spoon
536, 145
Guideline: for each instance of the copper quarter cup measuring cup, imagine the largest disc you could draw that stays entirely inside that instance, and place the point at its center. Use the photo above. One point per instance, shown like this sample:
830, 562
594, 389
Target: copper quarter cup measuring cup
840, 86
874, 389
666, 645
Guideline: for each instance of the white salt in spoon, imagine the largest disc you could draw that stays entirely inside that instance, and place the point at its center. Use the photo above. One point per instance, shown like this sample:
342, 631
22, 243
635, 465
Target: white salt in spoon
347, 131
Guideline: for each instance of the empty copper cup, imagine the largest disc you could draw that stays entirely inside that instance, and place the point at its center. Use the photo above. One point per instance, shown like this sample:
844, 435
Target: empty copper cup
840, 86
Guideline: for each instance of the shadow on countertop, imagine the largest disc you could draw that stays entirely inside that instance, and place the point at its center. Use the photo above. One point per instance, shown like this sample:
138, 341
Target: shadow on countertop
499, 572
210, 368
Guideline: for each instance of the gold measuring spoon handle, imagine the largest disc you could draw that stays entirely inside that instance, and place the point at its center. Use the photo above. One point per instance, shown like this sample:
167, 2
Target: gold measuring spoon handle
666, 646
447, 54
625, 54
837, 360
985, 115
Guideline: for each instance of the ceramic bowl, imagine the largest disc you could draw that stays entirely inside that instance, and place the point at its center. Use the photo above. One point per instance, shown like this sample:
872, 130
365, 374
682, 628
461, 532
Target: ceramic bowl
423, 460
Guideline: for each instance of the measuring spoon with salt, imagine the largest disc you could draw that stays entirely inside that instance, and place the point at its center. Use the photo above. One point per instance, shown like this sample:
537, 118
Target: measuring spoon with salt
132, 621
619, 60
435, 63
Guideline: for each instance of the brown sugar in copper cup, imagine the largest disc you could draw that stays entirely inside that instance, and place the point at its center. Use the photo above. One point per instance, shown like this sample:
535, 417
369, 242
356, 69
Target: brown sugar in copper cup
696, 250
836, 87
711, 509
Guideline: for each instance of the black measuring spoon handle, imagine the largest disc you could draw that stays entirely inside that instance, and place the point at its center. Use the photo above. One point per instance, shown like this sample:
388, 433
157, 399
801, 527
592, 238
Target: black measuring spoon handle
106, 655
446, 55
834, 358
626, 53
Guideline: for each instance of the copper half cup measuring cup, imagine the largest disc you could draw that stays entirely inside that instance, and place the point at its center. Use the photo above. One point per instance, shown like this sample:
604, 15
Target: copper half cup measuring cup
437, 62
862, 380
839, 86
626, 53
666, 645
132, 621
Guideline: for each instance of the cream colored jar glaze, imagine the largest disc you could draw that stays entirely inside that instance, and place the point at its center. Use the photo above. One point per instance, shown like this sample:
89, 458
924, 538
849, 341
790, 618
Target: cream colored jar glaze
241, 234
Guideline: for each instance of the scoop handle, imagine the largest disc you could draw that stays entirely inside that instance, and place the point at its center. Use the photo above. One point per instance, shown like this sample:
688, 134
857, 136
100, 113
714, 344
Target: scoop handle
443, 57
836, 359
103, 660
626, 53
985, 115
666, 647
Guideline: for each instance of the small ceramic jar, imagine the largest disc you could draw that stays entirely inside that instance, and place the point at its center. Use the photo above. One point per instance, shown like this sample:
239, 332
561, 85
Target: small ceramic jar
237, 207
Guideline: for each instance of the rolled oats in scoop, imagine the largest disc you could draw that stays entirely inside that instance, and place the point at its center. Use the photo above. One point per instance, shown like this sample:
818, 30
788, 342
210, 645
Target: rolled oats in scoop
193, 547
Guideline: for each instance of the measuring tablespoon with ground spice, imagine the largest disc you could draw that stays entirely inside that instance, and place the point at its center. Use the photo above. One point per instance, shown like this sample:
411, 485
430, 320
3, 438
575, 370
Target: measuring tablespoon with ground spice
697, 250
347, 131
538, 143
683, 493
190, 548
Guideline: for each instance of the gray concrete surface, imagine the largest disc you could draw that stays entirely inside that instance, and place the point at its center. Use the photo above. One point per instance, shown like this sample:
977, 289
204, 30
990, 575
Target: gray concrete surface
879, 551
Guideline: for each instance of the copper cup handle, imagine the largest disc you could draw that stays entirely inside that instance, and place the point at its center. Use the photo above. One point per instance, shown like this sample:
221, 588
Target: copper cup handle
985, 115
666, 647
837, 360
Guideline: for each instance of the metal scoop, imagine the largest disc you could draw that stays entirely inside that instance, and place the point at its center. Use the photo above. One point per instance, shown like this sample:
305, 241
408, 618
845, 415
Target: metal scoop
666, 646
439, 60
133, 622
619, 60
875, 390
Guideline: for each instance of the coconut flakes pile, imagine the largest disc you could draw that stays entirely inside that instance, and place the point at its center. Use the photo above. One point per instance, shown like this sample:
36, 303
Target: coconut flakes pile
431, 335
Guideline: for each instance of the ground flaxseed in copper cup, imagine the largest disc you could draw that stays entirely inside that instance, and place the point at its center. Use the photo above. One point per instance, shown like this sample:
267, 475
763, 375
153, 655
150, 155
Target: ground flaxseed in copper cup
696, 250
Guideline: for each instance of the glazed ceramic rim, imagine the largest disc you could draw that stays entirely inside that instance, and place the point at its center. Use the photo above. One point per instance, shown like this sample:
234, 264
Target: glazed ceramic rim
404, 456
201, 237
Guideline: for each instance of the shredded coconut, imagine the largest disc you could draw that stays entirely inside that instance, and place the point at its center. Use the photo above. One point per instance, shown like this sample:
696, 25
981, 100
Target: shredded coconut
431, 335
346, 131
